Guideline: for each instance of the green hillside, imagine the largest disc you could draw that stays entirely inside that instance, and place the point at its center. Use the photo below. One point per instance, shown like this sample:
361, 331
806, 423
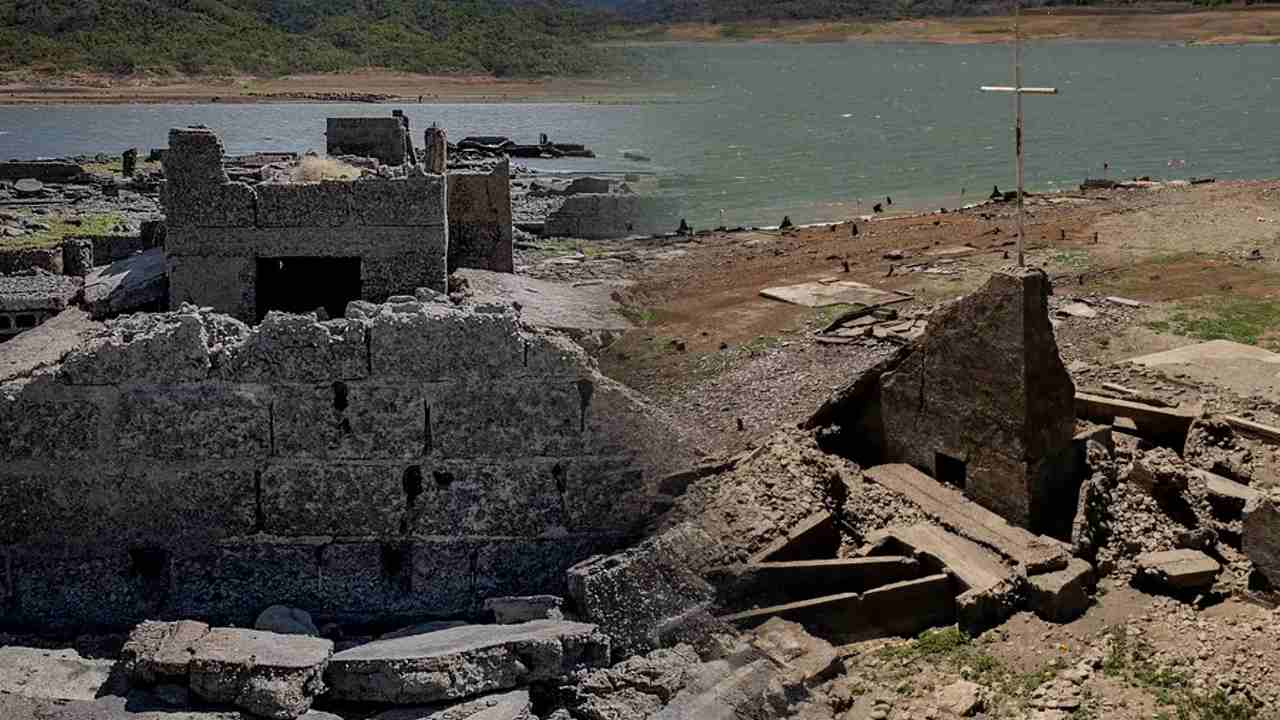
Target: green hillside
273, 37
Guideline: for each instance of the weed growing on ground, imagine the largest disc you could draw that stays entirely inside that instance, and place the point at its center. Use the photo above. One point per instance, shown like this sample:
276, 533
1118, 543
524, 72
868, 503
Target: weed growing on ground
1242, 320
1130, 660
60, 228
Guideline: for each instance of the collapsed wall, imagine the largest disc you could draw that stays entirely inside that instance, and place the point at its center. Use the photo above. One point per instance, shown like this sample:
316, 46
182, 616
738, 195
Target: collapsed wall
244, 250
406, 461
604, 216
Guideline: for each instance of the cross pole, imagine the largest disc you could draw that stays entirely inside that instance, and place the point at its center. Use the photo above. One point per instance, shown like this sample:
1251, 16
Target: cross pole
1018, 91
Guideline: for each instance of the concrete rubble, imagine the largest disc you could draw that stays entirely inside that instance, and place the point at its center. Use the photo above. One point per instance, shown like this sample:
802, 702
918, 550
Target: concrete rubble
464, 661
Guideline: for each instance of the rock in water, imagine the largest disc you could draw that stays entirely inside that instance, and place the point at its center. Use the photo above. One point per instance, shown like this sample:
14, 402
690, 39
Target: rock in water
465, 661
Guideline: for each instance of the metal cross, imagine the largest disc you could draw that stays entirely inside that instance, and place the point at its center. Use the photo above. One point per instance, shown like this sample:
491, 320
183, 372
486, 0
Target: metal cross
1018, 91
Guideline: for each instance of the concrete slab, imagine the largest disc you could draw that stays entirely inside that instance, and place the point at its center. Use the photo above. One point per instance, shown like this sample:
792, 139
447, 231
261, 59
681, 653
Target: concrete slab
549, 304
800, 579
842, 292
276, 676
1179, 569
903, 608
45, 344
1166, 425
135, 283
953, 511
1063, 595
1227, 495
989, 586
464, 661
1245, 369
51, 674
159, 651
815, 537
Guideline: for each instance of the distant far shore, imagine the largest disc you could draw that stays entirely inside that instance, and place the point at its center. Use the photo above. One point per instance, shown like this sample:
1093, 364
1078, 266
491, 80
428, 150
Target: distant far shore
372, 86
1153, 23
1244, 25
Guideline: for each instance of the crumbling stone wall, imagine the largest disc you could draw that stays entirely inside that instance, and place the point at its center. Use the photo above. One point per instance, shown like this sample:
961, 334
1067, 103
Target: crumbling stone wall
217, 229
984, 401
603, 216
384, 138
480, 232
405, 461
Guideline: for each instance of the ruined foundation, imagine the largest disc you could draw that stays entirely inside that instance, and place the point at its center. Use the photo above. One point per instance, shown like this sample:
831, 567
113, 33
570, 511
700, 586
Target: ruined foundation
245, 250
407, 461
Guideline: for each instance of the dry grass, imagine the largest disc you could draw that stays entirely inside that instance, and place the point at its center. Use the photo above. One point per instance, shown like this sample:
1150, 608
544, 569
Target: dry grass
314, 169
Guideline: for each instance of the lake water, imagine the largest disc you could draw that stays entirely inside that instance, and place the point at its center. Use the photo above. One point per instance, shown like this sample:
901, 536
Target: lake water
807, 130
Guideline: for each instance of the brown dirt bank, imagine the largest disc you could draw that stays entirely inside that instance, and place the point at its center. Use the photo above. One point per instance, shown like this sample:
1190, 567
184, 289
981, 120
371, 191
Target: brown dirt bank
1229, 26
28, 87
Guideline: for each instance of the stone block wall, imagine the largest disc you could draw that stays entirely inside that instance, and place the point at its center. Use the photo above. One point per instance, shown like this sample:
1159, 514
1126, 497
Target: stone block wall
217, 229
384, 138
984, 401
603, 216
480, 233
406, 461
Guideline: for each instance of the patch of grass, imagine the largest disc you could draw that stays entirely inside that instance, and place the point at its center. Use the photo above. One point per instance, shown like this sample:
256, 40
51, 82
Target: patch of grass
1074, 259
641, 316
1242, 320
825, 315
1130, 660
59, 228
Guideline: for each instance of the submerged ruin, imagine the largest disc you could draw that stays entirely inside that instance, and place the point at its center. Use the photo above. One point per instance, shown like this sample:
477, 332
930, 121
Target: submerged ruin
313, 474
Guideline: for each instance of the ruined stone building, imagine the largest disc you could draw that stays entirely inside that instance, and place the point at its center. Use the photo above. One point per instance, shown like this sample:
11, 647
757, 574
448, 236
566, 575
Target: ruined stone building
249, 249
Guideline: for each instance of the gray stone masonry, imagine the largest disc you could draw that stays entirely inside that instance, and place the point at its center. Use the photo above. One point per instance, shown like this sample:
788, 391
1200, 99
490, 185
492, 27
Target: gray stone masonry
217, 230
984, 402
384, 138
409, 460
480, 234
603, 216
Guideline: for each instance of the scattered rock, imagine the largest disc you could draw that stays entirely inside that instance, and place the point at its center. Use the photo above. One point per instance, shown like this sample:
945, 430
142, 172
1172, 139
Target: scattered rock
805, 660
286, 621
1157, 471
1062, 595
634, 688
962, 697
28, 187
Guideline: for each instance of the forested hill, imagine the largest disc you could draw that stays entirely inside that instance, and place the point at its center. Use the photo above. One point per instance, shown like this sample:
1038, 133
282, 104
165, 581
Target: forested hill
273, 37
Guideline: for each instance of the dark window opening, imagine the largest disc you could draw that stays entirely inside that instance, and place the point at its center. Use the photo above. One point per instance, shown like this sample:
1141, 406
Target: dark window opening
412, 481
951, 471
26, 321
5, 323
304, 284
148, 562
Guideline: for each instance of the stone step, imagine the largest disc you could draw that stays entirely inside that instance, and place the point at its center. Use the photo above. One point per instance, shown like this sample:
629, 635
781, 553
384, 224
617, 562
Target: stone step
1227, 495
464, 661
800, 579
988, 586
815, 537
902, 608
953, 511
51, 674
